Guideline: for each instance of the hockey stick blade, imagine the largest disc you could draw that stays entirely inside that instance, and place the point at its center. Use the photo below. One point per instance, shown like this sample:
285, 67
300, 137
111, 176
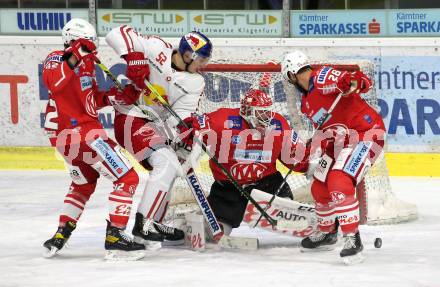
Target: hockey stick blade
296, 225
238, 243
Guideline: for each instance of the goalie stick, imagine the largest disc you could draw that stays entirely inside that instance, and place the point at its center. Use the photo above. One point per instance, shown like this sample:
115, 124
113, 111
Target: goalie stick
165, 104
198, 193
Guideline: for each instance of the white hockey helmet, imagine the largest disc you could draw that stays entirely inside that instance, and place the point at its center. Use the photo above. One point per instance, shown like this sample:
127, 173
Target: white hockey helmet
78, 28
293, 62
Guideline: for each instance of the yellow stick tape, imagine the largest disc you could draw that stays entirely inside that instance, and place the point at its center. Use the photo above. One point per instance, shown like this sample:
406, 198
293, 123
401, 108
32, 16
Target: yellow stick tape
40, 158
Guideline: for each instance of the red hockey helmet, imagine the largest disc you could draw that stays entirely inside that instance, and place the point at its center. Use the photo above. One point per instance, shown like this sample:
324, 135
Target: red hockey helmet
256, 108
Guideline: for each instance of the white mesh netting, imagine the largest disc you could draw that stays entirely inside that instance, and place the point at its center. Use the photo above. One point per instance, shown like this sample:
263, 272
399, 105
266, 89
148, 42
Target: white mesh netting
227, 83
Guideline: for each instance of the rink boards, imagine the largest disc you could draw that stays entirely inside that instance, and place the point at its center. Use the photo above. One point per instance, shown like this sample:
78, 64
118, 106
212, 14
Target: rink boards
45, 158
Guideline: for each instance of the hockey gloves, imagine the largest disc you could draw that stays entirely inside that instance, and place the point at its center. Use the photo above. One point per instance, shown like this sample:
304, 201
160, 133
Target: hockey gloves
137, 69
128, 96
186, 133
363, 83
344, 82
83, 50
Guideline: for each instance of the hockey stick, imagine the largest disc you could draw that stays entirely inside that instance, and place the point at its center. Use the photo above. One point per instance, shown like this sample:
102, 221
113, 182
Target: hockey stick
167, 106
196, 188
192, 180
119, 85
321, 122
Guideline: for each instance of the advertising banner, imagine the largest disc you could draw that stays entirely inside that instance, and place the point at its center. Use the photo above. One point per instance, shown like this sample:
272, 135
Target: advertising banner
215, 23
421, 22
407, 83
408, 89
149, 22
37, 21
364, 23
237, 23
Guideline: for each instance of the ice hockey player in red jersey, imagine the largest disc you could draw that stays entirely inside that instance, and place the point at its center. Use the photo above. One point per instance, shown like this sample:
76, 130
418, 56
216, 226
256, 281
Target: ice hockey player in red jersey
174, 74
248, 141
352, 139
74, 129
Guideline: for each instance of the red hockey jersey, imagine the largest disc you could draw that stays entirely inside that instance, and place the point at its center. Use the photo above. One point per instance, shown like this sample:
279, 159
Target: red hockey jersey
248, 154
352, 112
73, 98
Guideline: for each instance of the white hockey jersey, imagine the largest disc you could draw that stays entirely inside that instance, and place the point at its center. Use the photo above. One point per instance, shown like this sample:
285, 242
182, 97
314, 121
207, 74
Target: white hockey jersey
181, 89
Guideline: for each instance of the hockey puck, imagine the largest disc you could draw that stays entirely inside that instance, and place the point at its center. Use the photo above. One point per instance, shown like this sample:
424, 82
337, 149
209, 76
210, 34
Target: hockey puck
378, 242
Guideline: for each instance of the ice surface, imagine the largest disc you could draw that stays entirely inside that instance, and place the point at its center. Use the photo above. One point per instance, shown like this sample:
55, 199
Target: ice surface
30, 202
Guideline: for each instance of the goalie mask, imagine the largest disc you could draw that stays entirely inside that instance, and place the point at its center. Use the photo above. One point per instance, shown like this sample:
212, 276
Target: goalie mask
256, 108
78, 28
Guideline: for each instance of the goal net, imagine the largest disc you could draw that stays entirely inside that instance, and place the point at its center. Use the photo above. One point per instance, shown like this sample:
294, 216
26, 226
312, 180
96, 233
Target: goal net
226, 84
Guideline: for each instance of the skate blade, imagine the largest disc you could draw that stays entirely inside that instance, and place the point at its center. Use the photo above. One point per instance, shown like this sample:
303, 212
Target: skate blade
173, 242
149, 245
355, 259
318, 249
119, 255
241, 243
50, 253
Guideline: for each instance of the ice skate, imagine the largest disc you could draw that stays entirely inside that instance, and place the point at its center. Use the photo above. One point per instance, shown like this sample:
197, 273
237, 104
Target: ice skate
120, 246
58, 241
319, 241
352, 251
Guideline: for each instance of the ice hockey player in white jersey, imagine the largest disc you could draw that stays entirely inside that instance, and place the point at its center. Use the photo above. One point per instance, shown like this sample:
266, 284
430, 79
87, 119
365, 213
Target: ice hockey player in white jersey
174, 74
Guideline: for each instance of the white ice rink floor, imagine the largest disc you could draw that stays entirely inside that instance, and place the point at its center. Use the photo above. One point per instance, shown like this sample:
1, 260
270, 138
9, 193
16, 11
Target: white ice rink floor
30, 202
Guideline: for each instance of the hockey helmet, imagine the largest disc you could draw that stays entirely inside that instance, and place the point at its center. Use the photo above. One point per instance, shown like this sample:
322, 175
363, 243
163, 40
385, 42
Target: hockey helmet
78, 28
293, 62
198, 44
256, 108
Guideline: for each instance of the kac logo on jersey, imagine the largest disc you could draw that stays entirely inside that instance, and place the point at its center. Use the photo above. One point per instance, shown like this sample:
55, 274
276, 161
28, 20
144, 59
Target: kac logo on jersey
323, 75
42, 21
235, 122
86, 83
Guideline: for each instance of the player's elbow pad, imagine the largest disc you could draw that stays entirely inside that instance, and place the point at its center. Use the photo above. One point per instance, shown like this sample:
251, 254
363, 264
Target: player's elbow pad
123, 40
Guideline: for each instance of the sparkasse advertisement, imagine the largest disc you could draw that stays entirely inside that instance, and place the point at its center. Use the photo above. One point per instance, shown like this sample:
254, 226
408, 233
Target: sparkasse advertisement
365, 23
